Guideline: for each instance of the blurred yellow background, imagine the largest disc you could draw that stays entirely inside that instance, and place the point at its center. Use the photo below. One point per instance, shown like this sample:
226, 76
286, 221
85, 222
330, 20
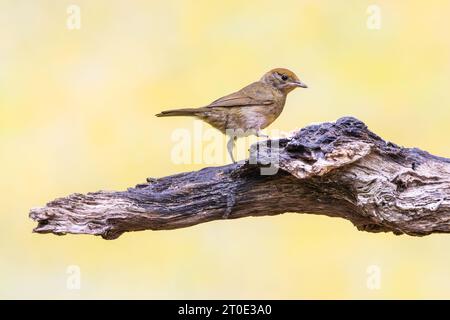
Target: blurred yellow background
77, 114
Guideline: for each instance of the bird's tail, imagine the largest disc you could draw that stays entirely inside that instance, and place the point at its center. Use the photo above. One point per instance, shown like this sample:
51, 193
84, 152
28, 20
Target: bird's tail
179, 112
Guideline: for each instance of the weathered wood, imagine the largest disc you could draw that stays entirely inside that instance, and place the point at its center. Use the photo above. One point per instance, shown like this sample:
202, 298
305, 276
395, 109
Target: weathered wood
336, 169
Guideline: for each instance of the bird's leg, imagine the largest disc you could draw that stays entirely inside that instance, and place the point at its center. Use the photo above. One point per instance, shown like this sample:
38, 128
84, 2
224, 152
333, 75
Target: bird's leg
230, 147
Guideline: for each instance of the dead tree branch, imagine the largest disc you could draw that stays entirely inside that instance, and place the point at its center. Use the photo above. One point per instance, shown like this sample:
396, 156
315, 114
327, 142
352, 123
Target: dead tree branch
336, 169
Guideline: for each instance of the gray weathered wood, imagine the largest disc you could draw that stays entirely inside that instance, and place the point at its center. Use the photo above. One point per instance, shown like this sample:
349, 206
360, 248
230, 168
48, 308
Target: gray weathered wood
336, 169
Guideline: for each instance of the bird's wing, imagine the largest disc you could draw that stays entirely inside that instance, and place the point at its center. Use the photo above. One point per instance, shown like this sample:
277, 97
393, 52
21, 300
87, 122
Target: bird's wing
255, 94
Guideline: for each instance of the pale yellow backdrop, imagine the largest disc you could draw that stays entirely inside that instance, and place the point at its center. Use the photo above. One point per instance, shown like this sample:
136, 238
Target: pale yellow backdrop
77, 114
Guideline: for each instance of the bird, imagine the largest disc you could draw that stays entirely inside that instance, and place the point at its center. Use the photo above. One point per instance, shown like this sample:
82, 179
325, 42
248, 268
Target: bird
247, 111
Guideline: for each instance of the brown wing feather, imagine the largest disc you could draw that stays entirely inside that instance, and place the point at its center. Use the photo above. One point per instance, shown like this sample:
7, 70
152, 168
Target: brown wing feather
254, 94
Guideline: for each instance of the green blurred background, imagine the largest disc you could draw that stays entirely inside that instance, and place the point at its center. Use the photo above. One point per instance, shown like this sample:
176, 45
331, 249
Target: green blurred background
77, 114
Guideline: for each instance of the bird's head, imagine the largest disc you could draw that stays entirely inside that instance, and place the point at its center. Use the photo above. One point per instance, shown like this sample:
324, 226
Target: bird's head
283, 80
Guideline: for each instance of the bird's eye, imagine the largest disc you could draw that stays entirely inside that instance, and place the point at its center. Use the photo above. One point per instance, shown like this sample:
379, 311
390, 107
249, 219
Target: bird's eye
284, 77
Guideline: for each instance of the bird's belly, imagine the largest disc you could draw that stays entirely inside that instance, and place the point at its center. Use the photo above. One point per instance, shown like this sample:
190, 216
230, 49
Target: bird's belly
259, 117
247, 120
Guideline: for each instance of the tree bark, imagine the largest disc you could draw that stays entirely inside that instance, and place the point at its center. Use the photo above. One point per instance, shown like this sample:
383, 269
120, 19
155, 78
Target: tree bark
336, 169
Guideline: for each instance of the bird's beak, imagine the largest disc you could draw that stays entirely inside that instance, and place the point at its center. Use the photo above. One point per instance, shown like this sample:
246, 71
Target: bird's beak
300, 84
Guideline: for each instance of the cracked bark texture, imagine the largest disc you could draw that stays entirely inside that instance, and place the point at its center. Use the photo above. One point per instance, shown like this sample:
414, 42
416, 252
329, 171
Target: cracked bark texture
336, 169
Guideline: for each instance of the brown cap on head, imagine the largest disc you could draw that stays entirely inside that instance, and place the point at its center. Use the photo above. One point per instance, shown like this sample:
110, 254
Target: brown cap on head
284, 71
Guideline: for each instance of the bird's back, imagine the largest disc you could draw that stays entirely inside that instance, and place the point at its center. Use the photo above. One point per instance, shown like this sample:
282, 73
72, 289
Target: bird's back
254, 107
